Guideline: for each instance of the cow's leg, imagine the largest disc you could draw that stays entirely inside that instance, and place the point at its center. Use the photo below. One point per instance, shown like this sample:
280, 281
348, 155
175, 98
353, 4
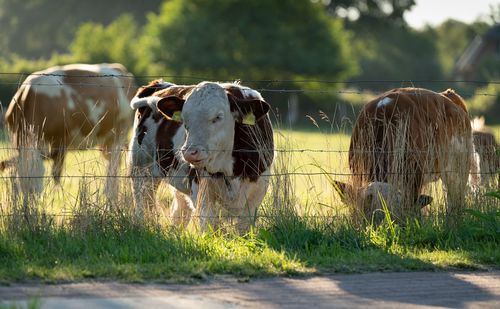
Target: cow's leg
416, 179
182, 208
204, 203
203, 212
112, 154
456, 186
455, 177
250, 198
57, 155
30, 170
144, 187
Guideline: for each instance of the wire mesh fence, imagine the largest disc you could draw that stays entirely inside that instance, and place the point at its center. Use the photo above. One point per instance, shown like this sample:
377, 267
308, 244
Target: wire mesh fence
299, 164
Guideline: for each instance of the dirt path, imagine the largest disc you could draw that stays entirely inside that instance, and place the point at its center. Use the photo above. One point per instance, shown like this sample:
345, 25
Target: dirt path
382, 290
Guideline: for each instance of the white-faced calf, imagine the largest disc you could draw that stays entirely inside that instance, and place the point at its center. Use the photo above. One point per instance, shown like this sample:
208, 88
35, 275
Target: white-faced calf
224, 135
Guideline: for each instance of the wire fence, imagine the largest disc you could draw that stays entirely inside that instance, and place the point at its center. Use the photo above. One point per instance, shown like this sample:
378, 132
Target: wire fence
269, 82
394, 151
274, 85
169, 171
254, 80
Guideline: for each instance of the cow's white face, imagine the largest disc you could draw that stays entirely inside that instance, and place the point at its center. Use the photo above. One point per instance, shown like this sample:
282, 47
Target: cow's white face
209, 116
209, 126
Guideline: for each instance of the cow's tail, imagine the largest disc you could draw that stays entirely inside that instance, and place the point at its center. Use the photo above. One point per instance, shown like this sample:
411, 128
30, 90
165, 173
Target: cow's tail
14, 120
14, 116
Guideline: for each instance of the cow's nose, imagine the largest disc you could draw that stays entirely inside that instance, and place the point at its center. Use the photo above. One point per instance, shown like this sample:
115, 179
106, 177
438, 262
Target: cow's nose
192, 154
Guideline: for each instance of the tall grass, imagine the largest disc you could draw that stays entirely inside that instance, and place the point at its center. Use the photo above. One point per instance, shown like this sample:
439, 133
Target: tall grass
73, 231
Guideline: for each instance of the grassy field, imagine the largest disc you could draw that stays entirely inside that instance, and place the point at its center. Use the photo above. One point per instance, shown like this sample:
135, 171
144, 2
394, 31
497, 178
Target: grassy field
74, 233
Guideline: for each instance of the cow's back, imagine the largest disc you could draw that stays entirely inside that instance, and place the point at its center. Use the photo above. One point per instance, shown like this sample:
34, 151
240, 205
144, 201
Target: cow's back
406, 131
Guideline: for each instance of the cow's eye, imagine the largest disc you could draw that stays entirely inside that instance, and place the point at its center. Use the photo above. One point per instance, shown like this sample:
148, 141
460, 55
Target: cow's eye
217, 119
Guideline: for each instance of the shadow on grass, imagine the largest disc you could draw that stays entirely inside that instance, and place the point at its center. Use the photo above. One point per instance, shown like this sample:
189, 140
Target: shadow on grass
295, 246
119, 250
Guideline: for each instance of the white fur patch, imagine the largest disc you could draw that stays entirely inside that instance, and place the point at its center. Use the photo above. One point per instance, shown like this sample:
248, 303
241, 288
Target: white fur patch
251, 93
477, 124
384, 102
51, 86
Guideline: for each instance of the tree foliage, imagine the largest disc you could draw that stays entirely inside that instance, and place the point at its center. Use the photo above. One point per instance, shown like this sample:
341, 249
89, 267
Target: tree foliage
247, 39
387, 52
38, 28
369, 11
95, 43
452, 38
486, 102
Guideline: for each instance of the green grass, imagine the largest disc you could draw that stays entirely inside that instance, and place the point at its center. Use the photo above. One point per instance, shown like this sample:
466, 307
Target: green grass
307, 233
121, 250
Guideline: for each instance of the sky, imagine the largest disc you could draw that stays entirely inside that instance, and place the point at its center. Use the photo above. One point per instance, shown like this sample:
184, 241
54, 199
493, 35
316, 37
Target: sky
435, 12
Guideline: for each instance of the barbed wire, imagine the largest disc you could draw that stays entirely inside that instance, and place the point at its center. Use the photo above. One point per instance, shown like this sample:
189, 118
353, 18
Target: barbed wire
83, 176
263, 90
46, 150
158, 76
60, 83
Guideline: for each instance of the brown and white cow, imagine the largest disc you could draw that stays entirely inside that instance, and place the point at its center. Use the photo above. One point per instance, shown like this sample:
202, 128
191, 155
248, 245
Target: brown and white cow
404, 139
66, 107
153, 152
226, 137
488, 150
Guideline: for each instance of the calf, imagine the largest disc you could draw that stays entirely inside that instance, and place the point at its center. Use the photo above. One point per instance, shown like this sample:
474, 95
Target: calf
226, 137
71, 106
408, 137
487, 148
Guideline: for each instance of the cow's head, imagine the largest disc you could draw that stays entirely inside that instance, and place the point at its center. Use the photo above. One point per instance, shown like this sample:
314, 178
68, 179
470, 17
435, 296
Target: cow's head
209, 115
371, 197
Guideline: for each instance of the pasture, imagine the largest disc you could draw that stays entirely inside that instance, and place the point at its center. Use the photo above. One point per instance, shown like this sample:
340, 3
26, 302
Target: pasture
72, 232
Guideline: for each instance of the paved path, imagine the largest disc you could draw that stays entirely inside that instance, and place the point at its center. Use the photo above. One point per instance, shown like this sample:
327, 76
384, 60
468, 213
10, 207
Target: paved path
374, 290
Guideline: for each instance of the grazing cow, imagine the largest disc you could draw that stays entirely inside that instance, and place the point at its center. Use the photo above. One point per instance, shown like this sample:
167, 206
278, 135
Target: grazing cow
226, 138
489, 158
66, 107
404, 139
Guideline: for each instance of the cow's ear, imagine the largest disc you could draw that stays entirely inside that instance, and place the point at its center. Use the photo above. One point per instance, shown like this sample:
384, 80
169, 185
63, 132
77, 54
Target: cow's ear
152, 87
248, 111
343, 189
171, 107
424, 200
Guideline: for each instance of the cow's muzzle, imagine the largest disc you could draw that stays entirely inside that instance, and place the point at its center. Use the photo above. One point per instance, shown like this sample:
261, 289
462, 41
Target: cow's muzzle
194, 154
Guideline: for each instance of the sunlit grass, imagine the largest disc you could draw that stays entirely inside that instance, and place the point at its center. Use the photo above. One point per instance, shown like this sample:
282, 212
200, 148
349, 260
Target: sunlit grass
303, 229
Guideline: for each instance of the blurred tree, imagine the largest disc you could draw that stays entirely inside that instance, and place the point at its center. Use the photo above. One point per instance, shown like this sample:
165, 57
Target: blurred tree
389, 52
486, 102
95, 43
38, 28
493, 16
452, 37
258, 39
368, 11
